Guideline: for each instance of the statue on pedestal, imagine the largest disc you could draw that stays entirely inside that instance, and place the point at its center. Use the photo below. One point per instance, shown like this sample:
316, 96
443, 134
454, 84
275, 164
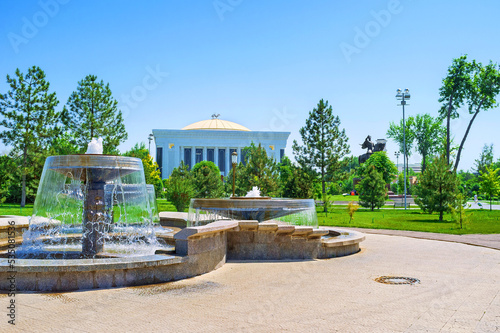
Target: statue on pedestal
371, 148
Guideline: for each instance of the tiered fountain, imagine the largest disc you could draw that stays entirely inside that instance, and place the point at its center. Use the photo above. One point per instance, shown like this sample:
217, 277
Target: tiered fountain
93, 226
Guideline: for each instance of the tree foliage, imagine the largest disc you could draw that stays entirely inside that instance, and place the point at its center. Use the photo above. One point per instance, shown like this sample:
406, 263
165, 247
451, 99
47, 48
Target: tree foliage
438, 187
428, 133
401, 137
467, 82
207, 181
151, 169
179, 187
295, 181
260, 170
30, 123
481, 95
324, 145
372, 191
485, 159
490, 182
92, 112
452, 94
382, 164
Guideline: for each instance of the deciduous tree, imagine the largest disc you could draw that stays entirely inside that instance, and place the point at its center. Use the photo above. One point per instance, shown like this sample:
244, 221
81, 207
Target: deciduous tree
428, 133
151, 169
207, 181
490, 182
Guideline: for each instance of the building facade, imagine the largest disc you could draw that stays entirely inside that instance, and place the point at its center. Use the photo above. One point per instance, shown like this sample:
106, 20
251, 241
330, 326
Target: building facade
212, 140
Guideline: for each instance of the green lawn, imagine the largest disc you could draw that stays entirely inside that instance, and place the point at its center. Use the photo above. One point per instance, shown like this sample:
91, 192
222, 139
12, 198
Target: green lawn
481, 222
345, 198
165, 206
15, 209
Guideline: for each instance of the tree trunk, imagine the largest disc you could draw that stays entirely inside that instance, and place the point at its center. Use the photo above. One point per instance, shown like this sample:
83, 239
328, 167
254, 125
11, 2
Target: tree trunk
491, 198
448, 116
440, 216
23, 178
465, 135
423, 163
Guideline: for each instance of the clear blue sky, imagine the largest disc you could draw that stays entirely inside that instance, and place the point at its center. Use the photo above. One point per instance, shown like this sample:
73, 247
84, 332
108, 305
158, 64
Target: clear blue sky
263, 64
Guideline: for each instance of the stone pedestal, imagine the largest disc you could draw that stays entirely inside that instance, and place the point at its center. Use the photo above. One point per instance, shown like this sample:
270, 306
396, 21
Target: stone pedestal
95, 220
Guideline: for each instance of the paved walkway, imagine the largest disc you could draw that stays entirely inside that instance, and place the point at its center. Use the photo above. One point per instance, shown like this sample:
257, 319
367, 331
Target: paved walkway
459, 291
490, 240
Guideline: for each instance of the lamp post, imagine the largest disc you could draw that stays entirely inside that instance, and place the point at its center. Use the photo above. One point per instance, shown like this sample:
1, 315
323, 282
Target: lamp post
234, 161
397, 153
150, 138
403, 97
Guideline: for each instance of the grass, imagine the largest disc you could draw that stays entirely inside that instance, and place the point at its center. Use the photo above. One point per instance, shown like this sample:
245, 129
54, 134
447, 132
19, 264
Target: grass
165, 206
481, 222
345, 198
15, 209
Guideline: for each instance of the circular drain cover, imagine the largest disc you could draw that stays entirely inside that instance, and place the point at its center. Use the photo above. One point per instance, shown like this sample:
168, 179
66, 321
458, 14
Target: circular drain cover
397, 280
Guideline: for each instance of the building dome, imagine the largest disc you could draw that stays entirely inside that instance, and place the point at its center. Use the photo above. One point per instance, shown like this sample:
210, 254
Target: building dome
216, 124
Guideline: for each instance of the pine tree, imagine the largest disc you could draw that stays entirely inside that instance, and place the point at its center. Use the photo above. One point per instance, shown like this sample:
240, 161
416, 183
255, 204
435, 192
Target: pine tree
29, 119
437, 188
92, 112
260, 170
372, 191
324, 145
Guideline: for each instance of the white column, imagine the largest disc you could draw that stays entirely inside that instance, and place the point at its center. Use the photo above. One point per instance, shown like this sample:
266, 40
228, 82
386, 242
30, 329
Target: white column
193, 156
204, 153
216, 156
228, 161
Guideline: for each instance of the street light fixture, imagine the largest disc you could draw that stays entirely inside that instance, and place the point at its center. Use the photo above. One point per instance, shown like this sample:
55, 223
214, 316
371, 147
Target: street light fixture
397, 153
150, 138
403, 96
234, 161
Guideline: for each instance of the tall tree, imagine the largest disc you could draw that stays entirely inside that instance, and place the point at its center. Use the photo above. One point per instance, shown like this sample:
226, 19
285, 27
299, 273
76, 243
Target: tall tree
481, 95
404, 139
485, 158
92, 112
490, 182
428, 133
453, 93
29, 119
438, 188
324, 145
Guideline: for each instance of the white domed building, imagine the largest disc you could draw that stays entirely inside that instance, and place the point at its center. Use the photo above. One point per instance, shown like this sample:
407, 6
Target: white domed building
212, 140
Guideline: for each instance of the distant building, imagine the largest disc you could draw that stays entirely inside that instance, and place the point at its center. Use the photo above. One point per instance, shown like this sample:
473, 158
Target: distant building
212, 140
417, 167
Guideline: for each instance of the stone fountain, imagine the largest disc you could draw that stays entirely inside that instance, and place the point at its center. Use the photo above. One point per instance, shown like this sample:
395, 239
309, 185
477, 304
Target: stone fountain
93, 227
253, 206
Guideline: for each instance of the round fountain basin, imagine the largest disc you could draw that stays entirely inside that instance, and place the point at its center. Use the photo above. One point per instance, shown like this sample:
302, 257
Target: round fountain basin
259, 209
100, 168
